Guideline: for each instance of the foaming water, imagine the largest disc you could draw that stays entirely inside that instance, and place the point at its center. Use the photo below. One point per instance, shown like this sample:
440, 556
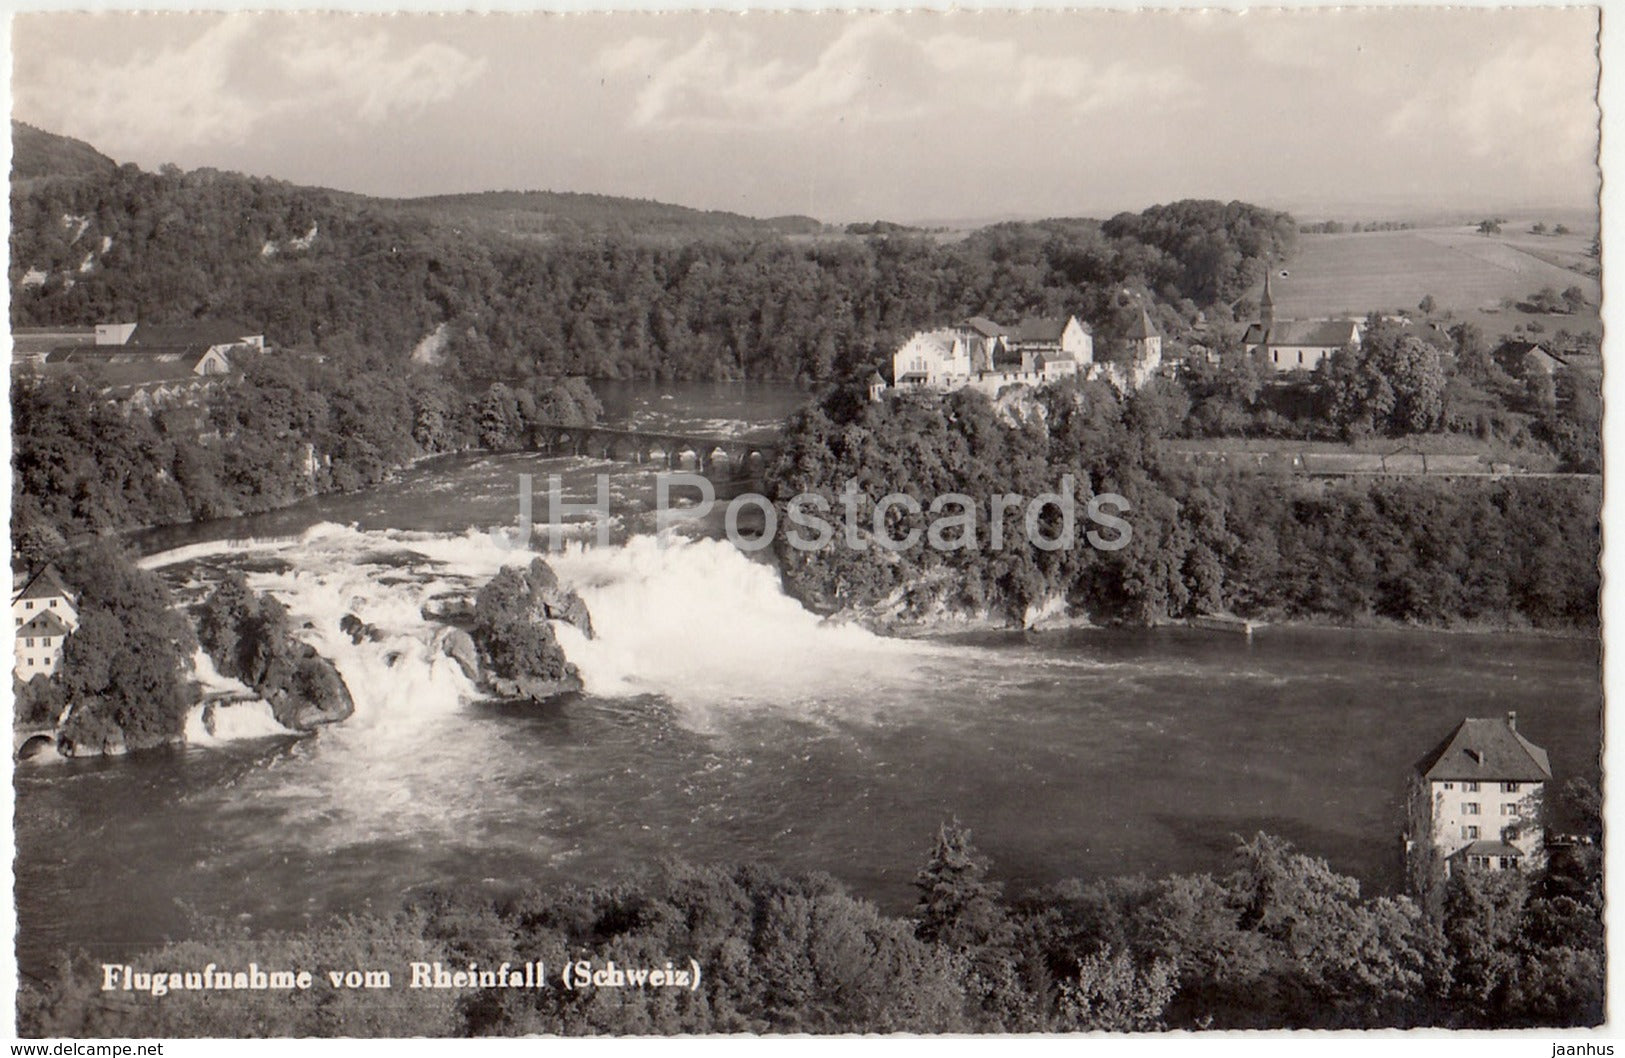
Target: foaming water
693, 621
699, 623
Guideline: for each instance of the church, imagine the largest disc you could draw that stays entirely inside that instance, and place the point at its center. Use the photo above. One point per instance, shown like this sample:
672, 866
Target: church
1296, 345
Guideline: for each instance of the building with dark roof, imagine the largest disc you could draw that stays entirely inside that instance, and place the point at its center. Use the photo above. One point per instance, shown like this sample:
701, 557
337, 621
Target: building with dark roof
145, 378
30, 345
986, 342
1043, 340
1296, 345
1475, 799
1518, 357
45, 613
211, 334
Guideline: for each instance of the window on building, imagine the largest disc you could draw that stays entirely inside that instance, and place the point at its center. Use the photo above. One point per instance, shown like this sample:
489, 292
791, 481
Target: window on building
28, 604
45, 642
1471, 786
1510, 787
1470, 833
28, 642
1449, 786
1509, 809
28, 661
1509, 863
1469, 808
1300, 356
53, 604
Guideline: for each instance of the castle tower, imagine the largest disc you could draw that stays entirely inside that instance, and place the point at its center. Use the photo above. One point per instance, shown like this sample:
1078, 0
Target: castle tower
1147, 341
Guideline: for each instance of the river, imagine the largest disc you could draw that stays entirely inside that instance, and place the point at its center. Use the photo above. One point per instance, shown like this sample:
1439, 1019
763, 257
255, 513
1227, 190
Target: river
722, 722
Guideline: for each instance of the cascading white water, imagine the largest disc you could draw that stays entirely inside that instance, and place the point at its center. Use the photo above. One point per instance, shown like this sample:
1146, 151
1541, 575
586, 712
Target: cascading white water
705, 626
694, 621
229, 710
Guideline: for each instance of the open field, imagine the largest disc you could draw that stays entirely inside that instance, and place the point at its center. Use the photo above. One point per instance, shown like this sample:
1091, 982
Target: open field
1468, 274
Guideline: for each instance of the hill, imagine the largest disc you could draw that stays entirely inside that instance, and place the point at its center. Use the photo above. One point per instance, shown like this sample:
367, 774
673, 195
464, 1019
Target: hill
36, 154
509, 284
558, 213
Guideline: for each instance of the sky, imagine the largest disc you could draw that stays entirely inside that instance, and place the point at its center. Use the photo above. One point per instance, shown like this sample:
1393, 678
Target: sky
929, 116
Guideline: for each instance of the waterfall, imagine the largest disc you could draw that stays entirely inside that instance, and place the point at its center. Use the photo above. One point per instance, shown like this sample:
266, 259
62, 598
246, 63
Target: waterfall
694, 621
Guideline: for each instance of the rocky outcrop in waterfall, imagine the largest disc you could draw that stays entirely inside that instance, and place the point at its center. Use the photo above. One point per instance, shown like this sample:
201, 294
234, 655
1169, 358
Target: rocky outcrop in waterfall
249, 638
512, 633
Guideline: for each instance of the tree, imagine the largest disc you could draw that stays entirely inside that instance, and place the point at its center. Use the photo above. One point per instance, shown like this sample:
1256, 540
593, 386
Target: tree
1427, 304
1412, 367
1111, 994
127, 668
1472, 351
1538, 387
958, 906
1489, 227
1547, 299
1574, 298
1538, 228
1484, 915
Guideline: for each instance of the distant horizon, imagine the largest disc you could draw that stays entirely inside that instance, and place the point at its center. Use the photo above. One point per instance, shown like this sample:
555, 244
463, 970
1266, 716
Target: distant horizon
919, 118
1353, 212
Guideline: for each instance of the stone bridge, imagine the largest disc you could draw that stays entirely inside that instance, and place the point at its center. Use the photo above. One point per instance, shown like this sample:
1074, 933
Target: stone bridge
29, 741
725, 457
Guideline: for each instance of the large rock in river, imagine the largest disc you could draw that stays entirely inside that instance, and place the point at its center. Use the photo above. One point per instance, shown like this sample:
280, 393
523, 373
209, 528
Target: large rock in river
304, 690
520, 657
459, 646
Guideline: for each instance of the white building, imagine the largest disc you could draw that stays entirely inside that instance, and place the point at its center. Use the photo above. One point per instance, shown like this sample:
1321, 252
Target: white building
982, 355
1475, 800
44, 613
938, 359
1296, 345
1050, 343
987, 342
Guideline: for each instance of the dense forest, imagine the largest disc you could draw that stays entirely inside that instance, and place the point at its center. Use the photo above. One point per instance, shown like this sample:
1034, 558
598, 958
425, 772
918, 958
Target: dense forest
1279, 941
334, 272
1509, 552
283, 429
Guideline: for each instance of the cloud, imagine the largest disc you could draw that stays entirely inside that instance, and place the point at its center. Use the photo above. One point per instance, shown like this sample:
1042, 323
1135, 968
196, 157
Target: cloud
1522, 101
225, 82
873, 70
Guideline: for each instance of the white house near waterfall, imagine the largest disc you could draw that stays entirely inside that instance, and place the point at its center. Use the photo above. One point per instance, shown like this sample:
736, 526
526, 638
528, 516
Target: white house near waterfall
981, 354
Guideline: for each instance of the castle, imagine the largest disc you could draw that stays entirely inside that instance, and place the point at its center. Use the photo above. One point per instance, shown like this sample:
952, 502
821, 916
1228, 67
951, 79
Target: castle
983, 355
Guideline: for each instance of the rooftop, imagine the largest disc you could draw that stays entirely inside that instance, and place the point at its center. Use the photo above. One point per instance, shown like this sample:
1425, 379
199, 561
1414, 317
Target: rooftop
198, 332
1491, 750
985, 327
1143, 327
45, 624
1331, 334
45, 583
1042, 328
1487, 848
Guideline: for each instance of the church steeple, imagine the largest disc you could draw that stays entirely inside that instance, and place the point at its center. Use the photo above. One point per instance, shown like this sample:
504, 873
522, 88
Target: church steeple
1266, 306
